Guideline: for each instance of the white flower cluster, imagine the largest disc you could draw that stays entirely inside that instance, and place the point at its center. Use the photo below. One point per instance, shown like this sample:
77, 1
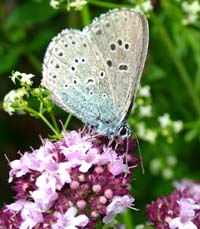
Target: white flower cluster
145, 117
164, 166
22, 77
145, 6
192, 10
54, 3
144, 93
77, 4
165, 122
14, 99
146, 133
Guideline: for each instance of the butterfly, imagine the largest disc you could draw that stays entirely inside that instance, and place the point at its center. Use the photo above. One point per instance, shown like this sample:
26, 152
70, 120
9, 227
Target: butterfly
94, 74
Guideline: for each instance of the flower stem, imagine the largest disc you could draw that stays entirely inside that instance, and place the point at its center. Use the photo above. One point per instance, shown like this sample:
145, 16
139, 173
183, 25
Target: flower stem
128, 219
177, 62
85, 15
54, 121
67, 121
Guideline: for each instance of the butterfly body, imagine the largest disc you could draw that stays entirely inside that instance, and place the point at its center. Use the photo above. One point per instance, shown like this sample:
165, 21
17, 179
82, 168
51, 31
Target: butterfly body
94, 74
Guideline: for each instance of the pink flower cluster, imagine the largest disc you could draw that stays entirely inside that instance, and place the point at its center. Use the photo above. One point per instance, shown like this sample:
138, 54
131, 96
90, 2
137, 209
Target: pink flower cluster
179, 210
72, 183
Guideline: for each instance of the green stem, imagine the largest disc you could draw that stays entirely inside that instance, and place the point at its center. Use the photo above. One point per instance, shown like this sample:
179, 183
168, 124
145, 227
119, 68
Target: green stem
177, 62
108, 4
127, 219
67, 121
85, 15
54, 121
57, 134
191, 125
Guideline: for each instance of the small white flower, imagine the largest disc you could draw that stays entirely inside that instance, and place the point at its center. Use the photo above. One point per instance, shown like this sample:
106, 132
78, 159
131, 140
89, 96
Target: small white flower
78, 4
144, 6
150, 136
144, 91
22, 77
54, 4
167, 173
164, 120
145, 111
14, 76
141, 129
192, 18
171, 160
146, 134
192, 10
26, 78
178, 126
11, 98
147, 6
155, 166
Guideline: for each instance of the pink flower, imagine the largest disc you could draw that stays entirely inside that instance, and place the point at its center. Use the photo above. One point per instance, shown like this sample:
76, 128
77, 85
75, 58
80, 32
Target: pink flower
187, 214
118, 205
31, 214
191, 186
69, 221
179, 210
78, 172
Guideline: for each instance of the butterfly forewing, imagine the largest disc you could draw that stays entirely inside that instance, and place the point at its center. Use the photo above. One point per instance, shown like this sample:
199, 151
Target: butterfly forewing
122, 37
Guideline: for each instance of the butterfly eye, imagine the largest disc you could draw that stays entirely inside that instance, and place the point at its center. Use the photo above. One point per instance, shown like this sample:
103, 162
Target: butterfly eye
123, 131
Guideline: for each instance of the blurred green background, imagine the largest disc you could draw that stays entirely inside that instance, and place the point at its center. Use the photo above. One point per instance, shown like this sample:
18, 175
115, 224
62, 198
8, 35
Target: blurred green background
172, 72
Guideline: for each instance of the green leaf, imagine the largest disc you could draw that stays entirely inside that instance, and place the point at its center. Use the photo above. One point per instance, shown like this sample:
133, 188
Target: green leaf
42, 39
192, 134
155, 72
9, 60
31, 12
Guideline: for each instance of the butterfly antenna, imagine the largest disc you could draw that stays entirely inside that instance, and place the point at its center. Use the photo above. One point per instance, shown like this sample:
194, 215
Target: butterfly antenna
127, 145
139, 150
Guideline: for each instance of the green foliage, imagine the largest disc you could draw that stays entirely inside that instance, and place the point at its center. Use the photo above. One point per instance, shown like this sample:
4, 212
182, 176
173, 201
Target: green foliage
172, 71
29, 13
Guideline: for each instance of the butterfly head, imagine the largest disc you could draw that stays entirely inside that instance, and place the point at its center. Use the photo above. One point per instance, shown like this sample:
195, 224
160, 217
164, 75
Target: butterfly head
124, 130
